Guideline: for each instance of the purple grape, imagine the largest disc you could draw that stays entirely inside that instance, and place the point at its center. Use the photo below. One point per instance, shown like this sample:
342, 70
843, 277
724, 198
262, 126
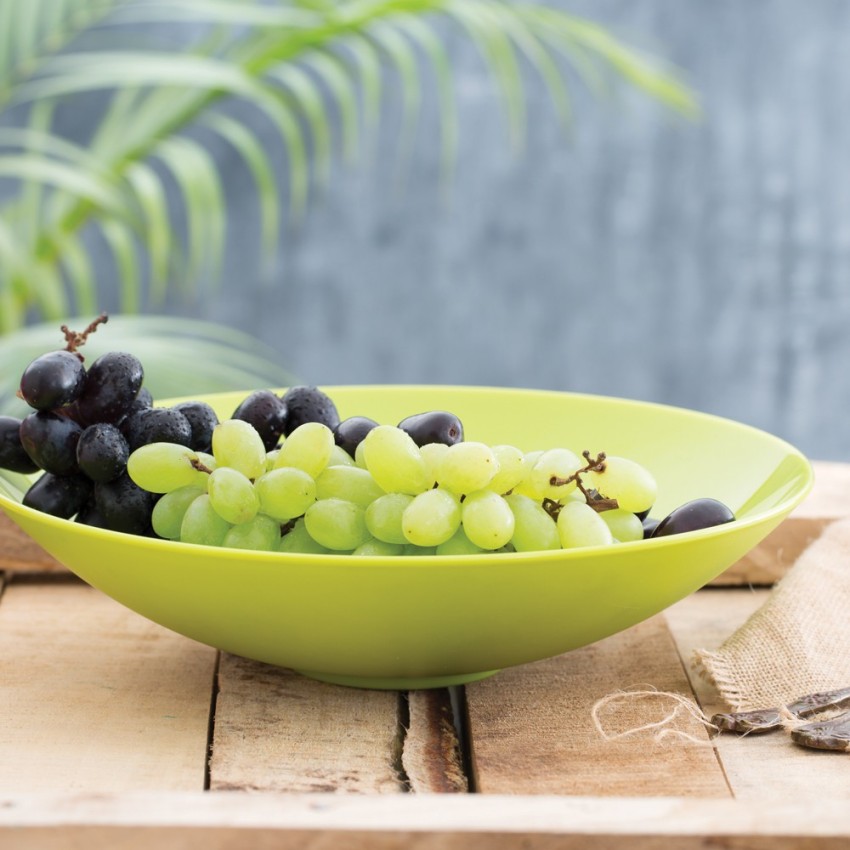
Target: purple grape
350, 432
692, 516
12, 453
202, 420
435, 426
112, 385
51, 441
53, 380
102, 452
308, 404
158, 425
123, 506
267, 413
59, 495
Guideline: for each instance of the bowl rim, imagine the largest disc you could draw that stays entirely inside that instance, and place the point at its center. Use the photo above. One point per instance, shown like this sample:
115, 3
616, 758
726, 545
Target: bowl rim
784, 506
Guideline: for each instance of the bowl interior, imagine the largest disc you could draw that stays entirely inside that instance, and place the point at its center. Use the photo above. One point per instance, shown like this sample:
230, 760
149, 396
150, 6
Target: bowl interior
420, 622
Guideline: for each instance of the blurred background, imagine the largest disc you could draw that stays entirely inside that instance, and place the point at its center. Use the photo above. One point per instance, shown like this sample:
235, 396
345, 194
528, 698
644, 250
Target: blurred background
640, 250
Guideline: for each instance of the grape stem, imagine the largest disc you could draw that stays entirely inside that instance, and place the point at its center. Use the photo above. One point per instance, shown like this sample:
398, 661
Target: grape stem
200, 466
74, 339
597, 502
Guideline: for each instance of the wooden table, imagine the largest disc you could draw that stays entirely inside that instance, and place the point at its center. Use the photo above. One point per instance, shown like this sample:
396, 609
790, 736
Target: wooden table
115, 732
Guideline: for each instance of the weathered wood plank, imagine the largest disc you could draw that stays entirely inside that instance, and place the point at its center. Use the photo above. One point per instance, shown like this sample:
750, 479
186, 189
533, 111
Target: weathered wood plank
96, 698
21, 554
758, 767
278, 731
431, 753
218, 821
828, 501
532, 730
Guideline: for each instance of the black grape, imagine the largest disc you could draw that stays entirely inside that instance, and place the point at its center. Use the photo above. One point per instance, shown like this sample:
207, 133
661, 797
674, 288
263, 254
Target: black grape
699, 513
112, 385
649, 525
102, 452
267, 413
350, 432
124, 506
59, 495
158, 425
12, 453
51, 441
308, 404
53, 380
202, 420
435, 426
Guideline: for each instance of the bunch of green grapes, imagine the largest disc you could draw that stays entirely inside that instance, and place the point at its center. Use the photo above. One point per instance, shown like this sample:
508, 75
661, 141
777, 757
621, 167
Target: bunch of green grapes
386, 493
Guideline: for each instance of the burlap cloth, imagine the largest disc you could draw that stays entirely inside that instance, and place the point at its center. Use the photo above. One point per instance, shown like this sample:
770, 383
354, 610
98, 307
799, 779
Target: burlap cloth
798, 642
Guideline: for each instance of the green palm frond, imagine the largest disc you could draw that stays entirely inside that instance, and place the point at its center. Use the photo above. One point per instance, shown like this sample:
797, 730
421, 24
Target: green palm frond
146, 186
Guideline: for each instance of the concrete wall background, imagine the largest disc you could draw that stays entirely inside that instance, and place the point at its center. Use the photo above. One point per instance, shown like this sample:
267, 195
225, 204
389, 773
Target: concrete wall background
705, 265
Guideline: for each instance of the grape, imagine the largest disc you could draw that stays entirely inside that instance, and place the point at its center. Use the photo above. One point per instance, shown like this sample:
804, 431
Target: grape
298, 539
467, 467
261, 533
337, 524
59, 495
340, 457
553, 465
432, 454
431, 518
435, 426
395, 461
162, 467
124, 505
51, 441
649, 525
413, 549
202, 419
458, 544
308, 447
513, 469
534, 528
158, 425
102, 452
232, 495
579, 525
625, 526
202, 525
378, 547
487, 519
383, 517
238, 445
143, 401
285, 493
349, 483
267, 413
111, 387
350, 432
53, 380
13, 456
628, 482
90, 515
693, 515
168, 512
308, 404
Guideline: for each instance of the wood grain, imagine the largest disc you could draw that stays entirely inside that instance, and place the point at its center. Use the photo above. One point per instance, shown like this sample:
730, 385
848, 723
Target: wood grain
758, 767
431, 753
20, 553
278, 731
96, 698
532, 730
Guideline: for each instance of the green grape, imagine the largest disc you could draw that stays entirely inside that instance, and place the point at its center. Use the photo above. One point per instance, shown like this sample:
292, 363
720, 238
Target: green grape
487, 519
624, 525
513, 469
208, 464
467, 467
534, 528
413, 549
298, 540
580, 525
431, 518
349, 483
378, 547
261, 533
285, 493
232, 495
395, 461
628, 482
557, 464
308, 447
162, 467
340, 457
271, 457
524, 487
359, 456
432, 453
383, 517
236, 444
168, 512
337, 524
459, 544
202, 525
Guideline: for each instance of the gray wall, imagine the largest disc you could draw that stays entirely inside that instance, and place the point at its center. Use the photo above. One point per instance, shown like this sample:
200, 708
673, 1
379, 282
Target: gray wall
698, 264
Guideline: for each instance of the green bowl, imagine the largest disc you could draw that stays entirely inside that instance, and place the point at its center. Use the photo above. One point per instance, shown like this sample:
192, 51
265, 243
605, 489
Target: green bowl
419, 622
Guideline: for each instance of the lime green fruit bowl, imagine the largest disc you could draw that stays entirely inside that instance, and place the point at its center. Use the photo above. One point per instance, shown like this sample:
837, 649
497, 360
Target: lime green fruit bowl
418, 622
